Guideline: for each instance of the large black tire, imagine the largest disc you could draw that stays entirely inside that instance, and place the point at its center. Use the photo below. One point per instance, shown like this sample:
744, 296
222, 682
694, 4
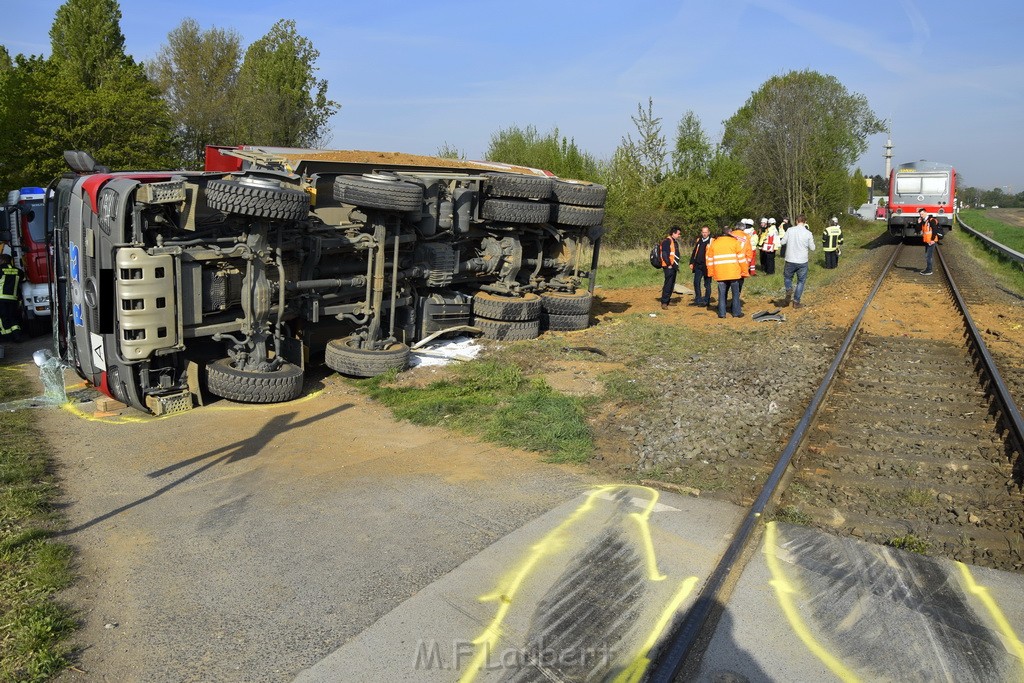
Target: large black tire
517, 185
378, 191
515, 211
564, 323
227, 381
345, 356
579, 216
258, 197
495, 307
508, 330
564, 303
578, 193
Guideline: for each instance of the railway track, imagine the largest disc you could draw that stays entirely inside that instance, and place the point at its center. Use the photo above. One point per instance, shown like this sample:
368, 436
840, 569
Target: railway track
912, 439
908, 448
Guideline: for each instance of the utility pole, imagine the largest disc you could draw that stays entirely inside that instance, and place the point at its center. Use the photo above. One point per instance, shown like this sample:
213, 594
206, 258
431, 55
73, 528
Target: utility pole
888, 150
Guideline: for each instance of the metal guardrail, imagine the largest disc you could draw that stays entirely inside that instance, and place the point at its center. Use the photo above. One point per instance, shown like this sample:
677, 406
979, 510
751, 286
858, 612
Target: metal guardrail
991, 243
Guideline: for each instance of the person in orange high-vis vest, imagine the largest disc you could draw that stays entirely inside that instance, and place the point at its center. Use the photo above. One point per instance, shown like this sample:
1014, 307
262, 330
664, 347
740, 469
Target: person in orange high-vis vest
669, 263
740, 233
930, 235
728, 264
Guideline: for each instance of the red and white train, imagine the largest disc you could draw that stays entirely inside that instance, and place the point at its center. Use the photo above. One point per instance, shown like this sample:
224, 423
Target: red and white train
917, 185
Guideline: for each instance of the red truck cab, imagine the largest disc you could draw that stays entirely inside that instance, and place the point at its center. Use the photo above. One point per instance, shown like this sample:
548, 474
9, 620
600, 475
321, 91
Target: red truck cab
26, 228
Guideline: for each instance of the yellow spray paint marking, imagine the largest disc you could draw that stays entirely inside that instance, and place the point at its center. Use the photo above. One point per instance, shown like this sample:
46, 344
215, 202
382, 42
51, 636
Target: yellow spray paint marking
783, 591
137, 419
1005, 629
553, 542
638, 667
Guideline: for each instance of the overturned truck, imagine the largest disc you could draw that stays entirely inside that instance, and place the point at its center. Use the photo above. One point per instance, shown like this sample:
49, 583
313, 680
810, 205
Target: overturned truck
234, 277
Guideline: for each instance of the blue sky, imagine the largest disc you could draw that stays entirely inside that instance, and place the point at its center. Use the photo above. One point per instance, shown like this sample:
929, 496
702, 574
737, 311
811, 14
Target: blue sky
413, 75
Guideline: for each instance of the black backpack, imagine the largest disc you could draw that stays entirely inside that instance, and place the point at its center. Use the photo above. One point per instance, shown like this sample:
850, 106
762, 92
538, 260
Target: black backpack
656, 256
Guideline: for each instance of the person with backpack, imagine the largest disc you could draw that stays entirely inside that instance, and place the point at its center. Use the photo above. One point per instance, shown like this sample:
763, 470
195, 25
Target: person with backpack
930, 235
699, 266
669, 252
728, 264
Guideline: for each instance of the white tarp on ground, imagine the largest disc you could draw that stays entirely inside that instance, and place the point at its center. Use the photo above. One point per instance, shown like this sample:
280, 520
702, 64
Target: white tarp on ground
444, 351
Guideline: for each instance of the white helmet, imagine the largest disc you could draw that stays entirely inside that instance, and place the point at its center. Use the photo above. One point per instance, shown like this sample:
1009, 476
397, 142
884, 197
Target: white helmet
771, 221
835, 220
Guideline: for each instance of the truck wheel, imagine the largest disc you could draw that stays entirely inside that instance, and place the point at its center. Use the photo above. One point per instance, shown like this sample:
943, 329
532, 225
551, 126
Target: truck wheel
515, 211
259, 197
497, 307
517, 185
580, 216
345, 356
227, 381
378, 191
508, 330
564, 303
578, 193
564, 323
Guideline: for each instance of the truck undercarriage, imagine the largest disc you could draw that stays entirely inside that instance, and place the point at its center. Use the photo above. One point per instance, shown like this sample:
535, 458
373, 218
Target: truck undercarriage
165, 280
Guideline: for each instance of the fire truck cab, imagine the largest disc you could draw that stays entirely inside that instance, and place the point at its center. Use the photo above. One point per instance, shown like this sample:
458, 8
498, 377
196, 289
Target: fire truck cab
24, 228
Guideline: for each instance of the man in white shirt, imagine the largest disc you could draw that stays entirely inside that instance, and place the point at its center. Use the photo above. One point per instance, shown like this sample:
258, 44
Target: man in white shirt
799, 243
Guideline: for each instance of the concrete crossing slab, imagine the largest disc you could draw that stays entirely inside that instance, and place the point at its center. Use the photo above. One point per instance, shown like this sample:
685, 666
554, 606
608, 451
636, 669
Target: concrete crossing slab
581, 593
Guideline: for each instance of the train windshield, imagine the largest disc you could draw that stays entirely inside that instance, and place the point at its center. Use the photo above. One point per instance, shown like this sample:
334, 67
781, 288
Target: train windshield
922, 184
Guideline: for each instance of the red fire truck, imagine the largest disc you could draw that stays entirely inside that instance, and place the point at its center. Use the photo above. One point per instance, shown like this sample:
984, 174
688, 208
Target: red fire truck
25, 230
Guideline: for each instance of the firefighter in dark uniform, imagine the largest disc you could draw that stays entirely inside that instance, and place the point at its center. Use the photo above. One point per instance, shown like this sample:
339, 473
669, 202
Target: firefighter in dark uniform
830, 241
10, 286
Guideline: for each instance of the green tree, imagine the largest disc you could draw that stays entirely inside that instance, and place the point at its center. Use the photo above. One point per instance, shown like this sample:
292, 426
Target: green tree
692, 153
447, 151
634, 211
281, 101
550, 151
95, 97
197, 72
86, 40
858, 189
87, 95
797, 135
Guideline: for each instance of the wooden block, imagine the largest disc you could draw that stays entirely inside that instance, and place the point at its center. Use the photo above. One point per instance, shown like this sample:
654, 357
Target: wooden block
105, 404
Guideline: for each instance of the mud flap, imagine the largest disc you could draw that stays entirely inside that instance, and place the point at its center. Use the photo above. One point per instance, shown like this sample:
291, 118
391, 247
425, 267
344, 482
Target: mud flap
295, 352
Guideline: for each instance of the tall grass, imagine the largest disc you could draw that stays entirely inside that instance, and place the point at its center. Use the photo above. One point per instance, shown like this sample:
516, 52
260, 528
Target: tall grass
1009, 274
34, 627
1008, 235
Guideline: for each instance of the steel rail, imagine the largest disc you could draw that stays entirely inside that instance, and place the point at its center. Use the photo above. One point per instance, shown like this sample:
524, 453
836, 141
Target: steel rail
1000, 392
686, 633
